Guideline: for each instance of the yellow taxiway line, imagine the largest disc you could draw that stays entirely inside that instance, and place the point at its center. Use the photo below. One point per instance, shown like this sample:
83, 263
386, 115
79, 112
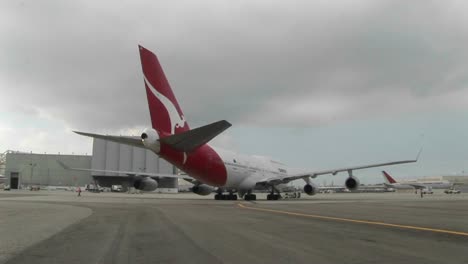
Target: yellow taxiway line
435, 230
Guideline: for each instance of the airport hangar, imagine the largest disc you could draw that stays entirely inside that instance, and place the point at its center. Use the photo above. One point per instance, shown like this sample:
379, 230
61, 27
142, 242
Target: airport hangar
23, 169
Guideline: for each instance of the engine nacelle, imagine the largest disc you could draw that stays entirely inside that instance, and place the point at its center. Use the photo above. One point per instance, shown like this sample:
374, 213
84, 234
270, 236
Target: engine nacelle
246, 186
202, 189
145, 184
352, 183
310, 189
150, 139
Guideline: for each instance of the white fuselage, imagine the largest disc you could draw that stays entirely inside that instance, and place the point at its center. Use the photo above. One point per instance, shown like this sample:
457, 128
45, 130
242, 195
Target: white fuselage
427, 184
244, 171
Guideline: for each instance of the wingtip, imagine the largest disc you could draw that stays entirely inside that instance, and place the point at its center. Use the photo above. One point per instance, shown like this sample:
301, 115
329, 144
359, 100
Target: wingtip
79, 133
222, 123
419, 153
227, 123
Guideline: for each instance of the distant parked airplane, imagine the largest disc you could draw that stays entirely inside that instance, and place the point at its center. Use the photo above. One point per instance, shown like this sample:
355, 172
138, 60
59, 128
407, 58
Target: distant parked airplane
415, 184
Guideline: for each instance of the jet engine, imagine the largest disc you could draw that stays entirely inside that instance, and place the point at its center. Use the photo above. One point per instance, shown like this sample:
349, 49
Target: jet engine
310, 189
352, 183
145, 184
202, 189
150, 139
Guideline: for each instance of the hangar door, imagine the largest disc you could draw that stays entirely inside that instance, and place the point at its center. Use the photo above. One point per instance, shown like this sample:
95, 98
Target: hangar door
14, 180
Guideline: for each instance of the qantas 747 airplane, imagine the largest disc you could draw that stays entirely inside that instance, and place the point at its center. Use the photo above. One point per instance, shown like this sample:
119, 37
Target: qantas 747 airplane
207, 167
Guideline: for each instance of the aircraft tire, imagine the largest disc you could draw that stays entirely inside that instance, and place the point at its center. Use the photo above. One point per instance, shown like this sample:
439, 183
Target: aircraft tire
249, 197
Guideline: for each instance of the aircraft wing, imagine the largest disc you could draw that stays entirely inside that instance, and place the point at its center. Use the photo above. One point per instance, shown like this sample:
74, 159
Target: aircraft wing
417, 186
133, 141
332, 187
314, 174
129, 173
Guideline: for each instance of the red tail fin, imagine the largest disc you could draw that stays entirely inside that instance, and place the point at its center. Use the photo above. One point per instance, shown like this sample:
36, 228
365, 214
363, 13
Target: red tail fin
166, 116
388, 177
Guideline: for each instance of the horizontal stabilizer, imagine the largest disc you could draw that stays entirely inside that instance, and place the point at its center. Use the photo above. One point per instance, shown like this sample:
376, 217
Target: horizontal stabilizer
190, 140
133, 141
129, 173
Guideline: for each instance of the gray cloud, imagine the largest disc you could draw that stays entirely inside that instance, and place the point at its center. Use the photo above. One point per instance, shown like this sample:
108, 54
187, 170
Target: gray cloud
266, 63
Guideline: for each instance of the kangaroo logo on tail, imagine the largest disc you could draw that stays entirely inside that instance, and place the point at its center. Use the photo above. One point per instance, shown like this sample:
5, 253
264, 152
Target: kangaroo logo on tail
177, 121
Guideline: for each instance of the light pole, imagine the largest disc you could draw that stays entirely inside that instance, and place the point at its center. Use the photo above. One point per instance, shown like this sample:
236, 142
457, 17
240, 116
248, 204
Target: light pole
32, 170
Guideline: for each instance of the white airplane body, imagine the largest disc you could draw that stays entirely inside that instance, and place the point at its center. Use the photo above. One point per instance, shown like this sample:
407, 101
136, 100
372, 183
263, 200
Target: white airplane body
207, 167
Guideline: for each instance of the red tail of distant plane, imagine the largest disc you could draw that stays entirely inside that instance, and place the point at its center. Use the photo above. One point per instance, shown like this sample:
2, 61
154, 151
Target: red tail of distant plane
167, 117
388, 177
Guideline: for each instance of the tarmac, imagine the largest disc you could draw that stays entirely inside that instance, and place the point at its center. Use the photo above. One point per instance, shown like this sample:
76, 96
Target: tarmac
59, 227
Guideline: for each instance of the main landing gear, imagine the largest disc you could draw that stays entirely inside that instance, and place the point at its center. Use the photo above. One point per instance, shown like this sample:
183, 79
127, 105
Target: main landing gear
220, 196
272, 195
250, 197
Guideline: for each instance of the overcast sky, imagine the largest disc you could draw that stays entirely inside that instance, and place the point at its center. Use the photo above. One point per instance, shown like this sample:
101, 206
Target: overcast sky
315, 84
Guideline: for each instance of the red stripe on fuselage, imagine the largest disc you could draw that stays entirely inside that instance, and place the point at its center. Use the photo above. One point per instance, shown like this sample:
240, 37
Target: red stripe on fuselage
203, 164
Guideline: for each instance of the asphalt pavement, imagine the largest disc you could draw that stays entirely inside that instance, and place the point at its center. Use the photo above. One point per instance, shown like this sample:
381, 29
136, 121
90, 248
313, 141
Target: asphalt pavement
58, 227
